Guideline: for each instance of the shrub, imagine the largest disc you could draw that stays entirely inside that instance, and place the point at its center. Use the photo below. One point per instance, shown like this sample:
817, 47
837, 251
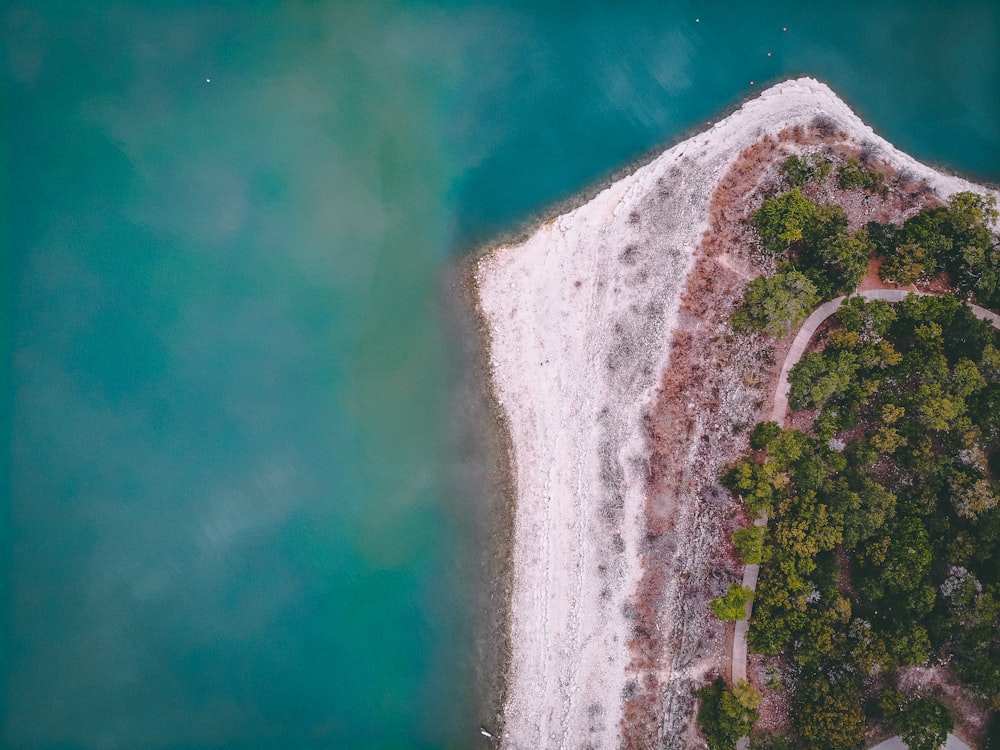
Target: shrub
853, 175
732, 605
783, 220
723, 716
797, 171
751, 546
775, 304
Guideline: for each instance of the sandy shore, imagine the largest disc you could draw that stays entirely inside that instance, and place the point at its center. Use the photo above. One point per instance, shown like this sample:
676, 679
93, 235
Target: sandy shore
581, 319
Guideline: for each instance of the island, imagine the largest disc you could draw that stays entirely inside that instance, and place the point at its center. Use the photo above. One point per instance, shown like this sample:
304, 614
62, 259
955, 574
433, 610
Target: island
635, 349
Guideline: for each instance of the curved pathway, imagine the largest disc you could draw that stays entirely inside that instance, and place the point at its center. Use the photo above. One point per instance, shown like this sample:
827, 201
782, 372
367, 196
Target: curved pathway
896, 743
780, 408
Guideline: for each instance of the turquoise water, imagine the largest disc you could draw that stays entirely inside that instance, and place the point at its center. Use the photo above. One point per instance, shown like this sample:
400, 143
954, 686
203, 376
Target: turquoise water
240, 512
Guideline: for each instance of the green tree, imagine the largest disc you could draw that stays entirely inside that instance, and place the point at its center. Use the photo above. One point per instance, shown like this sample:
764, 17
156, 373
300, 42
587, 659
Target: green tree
907, 264
967, 378
828, 220
732, 604
816, 379
889, 704
751, 546
910, 645
723, 717
936, 408
974, 259
765, 433
843, 260
753, 482
930, 228
887, 440
867, 649
867, 511
775, 304
747, 695
908, 558
870, 320
927, 236
968, 211
804, 526
885, 237
783, 220
829, 715
978, 273
788, 448
925, 723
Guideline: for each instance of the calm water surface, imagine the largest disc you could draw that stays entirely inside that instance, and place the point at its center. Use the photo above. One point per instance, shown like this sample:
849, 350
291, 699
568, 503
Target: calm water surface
237, 514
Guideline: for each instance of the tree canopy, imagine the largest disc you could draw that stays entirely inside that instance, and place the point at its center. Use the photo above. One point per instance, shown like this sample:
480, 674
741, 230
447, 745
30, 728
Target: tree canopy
726, 715
955, 238
883, 546
776, 304
732, 604
925, 724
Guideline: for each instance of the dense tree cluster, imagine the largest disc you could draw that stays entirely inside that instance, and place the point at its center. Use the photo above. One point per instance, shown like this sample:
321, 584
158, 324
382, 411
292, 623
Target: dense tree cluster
925, 723
883, 546
955, 238
818, 258
812, 239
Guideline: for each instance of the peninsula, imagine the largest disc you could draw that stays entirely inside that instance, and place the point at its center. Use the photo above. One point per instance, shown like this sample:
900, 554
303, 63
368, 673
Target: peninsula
626, 395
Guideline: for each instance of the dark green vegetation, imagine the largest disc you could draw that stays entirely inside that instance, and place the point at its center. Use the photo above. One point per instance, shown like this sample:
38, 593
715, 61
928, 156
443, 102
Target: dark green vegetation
954, 239
732, 604
883, 549
797, 171
776, 304
852, 175
924, 724
883, 546
812, 239
726, 715
818, 258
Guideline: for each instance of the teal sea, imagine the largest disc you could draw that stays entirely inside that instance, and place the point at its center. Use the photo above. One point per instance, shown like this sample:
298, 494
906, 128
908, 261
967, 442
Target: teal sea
240, 508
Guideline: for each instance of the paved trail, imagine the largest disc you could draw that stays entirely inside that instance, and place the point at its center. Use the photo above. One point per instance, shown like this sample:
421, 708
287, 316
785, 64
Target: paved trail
896, 743
778, 413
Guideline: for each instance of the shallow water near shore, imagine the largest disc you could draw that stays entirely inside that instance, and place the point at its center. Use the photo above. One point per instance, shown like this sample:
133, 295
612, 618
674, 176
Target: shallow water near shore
245, 509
